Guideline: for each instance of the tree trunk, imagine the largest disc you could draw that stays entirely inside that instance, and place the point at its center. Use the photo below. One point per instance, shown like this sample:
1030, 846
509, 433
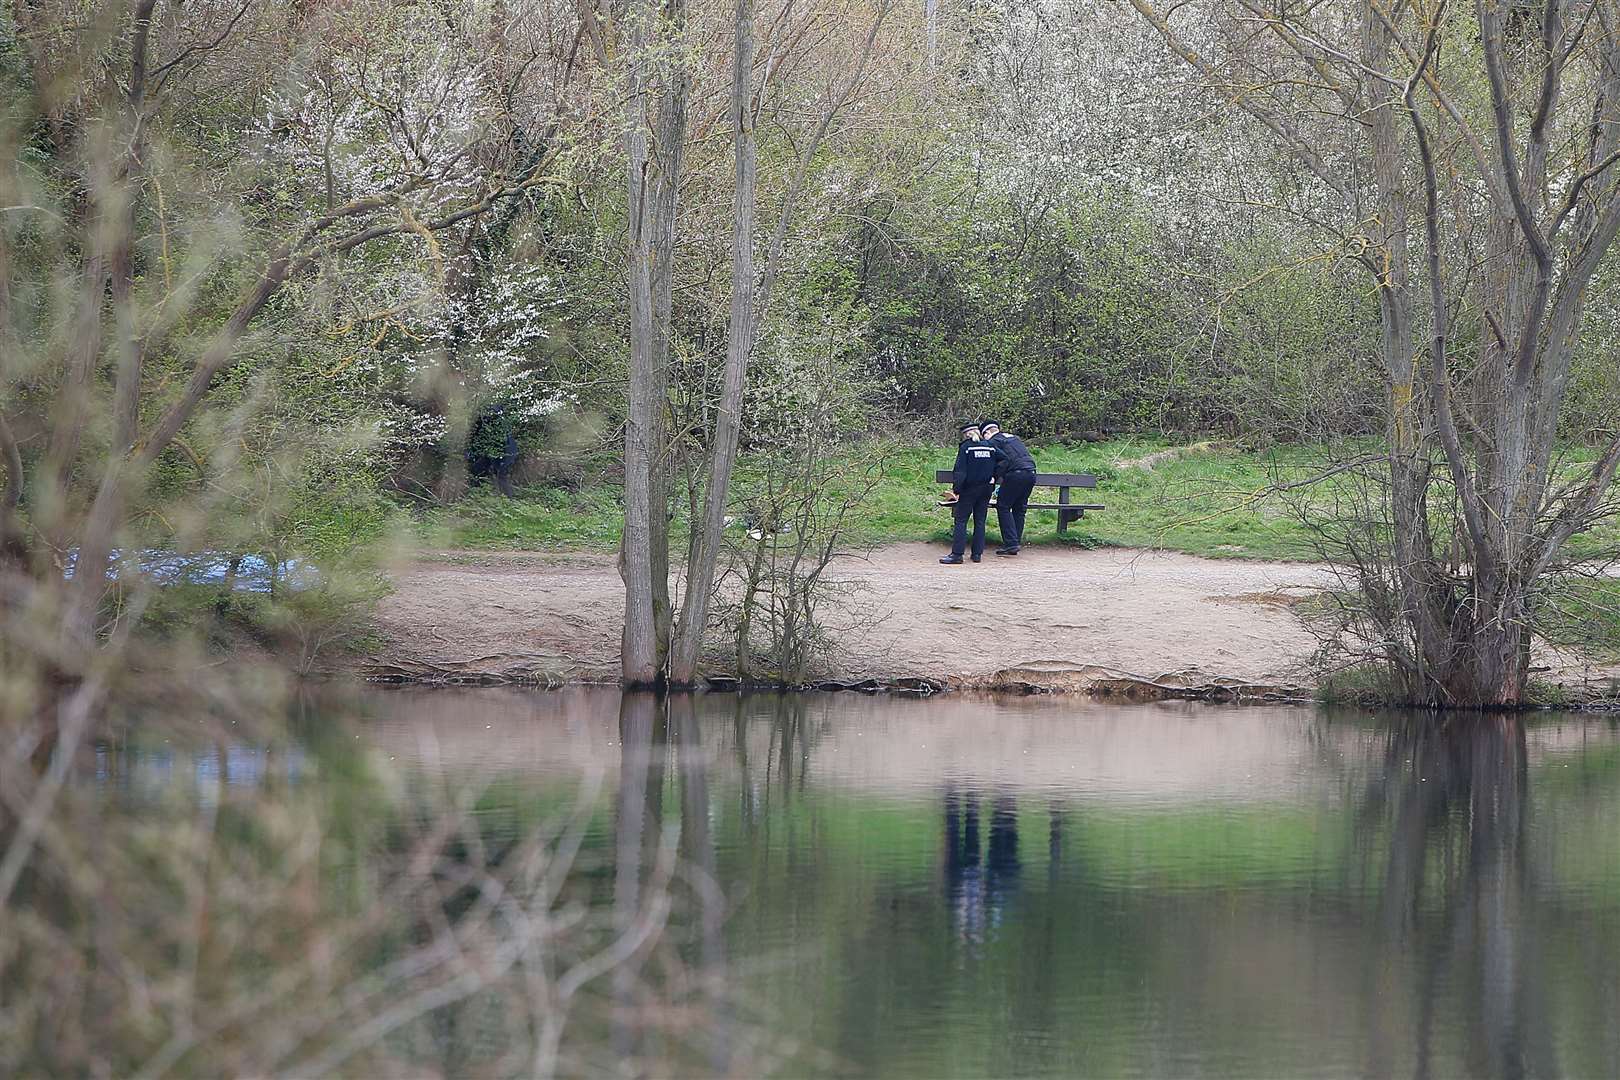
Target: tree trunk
654, 190
10, 457
1501, 659
1457, 628
639, 658
748, 305
668, 153
739, 344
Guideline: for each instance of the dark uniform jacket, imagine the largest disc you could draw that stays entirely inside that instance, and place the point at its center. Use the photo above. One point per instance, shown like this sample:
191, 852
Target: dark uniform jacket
977, 464
1015, 453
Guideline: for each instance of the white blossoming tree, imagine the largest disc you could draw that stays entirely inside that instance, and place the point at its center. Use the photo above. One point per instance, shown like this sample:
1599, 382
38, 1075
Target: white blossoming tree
385, 135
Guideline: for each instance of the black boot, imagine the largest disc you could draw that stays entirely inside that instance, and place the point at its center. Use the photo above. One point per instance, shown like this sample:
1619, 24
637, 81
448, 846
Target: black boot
953, 560
975, 559
1006, 551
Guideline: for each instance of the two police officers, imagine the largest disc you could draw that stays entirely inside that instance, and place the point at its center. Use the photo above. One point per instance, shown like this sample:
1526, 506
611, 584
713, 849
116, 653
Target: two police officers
1017, 476
972, 479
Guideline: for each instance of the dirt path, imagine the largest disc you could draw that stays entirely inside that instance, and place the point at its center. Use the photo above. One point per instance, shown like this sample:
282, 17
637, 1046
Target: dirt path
1142, 612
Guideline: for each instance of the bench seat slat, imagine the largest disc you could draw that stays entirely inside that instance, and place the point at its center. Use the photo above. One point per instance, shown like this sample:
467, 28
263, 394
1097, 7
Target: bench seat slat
1061, 506
1042, 479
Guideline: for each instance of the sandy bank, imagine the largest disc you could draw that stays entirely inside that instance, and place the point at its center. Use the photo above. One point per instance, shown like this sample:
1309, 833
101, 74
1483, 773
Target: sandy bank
1142, 612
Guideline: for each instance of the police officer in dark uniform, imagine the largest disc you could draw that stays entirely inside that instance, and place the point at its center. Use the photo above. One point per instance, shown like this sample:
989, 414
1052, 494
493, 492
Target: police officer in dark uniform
1017, 478
972, 479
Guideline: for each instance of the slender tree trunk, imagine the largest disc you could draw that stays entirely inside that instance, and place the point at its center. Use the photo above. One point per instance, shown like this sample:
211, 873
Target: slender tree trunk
748, 305
10, 456
639, 658
654, 189
127, 387
1409, 464
127, 393
739, 344
668, 153
11, 545
73, 402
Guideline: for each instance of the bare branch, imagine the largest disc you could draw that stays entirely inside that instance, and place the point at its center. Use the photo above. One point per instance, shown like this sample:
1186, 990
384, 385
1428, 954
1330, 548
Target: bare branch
1501, 112
1272, 121
773, 257
1579, 508
1325, 474
1439, 372
12, 495
163, 71
1313, 52
219, 355
1575, 187
1437, 90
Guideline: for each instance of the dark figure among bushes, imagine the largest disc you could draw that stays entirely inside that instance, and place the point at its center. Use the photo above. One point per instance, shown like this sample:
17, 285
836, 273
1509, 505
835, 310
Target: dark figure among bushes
492, 449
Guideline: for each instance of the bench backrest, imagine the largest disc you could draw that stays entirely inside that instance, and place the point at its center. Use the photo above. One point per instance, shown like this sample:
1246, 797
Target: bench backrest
1042, 479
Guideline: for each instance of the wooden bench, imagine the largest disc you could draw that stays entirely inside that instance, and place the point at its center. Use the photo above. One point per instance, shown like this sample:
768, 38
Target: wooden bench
1064, 482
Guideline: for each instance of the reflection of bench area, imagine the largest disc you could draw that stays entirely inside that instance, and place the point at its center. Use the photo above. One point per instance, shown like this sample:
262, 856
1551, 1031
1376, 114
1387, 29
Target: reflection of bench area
1064, 482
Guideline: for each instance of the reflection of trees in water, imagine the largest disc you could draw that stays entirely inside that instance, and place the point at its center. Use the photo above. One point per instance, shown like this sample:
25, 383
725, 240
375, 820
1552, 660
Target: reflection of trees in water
1246, 953
789, 754
695, 948
786, 758
1456, 892
701, 874
339, 918
638, 814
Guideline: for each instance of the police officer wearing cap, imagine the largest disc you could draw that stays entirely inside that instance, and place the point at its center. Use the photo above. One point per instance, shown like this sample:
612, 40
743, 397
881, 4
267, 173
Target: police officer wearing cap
1017, 478
972, 479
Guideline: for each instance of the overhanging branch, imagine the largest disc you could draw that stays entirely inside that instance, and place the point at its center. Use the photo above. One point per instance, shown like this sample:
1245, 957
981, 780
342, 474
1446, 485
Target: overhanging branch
1439, 371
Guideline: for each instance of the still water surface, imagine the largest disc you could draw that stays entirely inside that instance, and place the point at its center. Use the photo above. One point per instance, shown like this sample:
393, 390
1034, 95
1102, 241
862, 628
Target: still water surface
1048, 887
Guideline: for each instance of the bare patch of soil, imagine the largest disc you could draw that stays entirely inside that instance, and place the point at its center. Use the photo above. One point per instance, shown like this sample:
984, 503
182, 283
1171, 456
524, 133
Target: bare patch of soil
1063, 611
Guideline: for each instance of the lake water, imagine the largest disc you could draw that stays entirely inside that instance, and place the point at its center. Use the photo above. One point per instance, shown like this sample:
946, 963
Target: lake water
880, 886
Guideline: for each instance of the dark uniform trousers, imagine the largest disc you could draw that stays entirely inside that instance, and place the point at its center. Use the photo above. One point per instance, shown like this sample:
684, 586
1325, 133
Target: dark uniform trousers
1012, 504
974, 502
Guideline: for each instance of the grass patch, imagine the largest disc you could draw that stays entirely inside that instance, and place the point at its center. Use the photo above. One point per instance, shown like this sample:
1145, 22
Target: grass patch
541, 519
1365, 685
1199, 499
1584, 614
1198, 502
304, 626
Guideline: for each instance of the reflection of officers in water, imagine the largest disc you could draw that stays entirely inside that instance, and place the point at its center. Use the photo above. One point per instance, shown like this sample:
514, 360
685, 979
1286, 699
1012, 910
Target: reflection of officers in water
977, 895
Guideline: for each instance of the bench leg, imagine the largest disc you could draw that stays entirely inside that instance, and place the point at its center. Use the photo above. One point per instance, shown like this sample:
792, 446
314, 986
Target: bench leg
1063, 515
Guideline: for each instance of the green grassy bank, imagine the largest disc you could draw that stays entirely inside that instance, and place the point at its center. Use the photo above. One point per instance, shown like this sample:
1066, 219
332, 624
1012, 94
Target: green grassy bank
1205, 499
1199, 501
